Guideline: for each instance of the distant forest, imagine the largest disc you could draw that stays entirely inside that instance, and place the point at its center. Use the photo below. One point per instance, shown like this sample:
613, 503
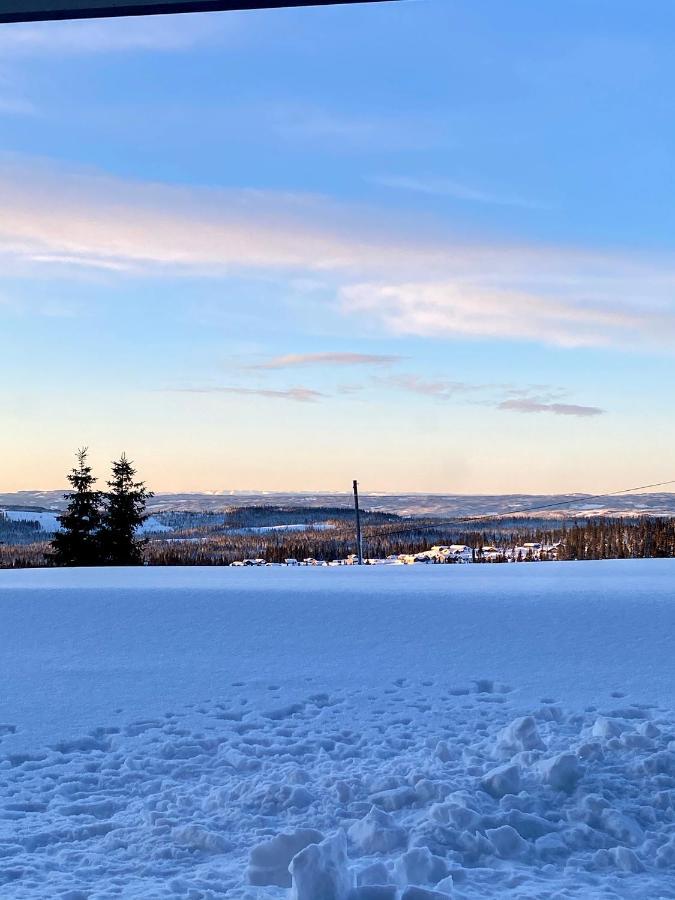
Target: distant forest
220, 539
18, 531
595, 539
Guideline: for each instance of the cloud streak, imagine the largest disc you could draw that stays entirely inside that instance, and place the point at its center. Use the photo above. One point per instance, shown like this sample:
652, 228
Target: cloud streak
296, 394
529, 399
446, 187
438, 388
430, 284
350, 132
497, 396
457, 308
526, 405
295, 360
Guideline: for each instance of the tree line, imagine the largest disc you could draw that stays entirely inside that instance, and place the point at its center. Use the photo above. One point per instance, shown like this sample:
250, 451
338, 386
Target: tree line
87, 537
642, 538
18, 531
601, 538
100, 528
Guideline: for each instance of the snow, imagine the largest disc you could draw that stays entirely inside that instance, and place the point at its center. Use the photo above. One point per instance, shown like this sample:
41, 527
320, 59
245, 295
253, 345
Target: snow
46, 520
264, 529
152, 525
403, 732
49, 522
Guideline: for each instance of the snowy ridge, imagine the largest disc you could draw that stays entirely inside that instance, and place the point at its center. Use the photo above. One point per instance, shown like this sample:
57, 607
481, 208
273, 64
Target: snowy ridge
387, 733
661, 503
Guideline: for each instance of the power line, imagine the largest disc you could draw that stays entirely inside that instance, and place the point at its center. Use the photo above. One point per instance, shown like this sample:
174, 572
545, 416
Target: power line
491, 517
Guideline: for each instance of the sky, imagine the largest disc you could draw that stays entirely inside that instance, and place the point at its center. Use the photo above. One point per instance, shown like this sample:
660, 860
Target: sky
427, 244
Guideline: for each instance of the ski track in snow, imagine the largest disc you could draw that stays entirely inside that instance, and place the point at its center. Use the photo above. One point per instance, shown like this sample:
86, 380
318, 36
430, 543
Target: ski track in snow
504, 731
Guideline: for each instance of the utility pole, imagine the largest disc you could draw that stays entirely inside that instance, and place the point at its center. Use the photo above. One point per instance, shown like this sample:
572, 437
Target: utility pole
359, 545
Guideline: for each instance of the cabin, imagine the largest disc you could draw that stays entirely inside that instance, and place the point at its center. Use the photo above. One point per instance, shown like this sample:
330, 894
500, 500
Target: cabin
452, 553
490, 553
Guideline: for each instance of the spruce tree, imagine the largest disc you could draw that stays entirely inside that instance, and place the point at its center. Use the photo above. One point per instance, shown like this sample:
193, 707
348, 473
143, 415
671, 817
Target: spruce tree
123, 514
77, 543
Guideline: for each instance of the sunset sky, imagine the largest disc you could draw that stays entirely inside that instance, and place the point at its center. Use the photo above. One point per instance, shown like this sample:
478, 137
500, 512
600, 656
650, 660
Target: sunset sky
426, 244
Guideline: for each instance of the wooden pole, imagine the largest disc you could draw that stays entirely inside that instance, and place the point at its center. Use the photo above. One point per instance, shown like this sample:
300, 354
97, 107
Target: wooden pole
359, 544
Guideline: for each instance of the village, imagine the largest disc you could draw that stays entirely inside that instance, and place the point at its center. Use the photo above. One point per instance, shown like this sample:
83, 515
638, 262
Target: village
439, 554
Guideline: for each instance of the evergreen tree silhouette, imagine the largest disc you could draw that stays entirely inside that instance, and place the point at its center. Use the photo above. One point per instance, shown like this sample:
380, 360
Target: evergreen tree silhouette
123, 513
77, 543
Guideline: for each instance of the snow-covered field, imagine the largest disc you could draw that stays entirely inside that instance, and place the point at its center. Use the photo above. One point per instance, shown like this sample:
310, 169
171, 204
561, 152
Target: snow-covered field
477, 731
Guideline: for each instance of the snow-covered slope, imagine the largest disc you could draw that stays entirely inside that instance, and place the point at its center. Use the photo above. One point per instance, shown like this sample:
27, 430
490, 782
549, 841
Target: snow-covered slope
49, 522
46, 520
480, 731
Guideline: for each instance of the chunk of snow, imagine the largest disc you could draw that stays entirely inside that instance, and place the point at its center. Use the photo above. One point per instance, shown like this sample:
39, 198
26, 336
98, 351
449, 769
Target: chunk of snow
421, 866
442, 751
375, 873
394, 799
506, 841
623, 827
605, 728
521, 734
377, 832
625, 859
269, 861
501, 781
550, 846
418, 893
561, 772
196, 837
321, 871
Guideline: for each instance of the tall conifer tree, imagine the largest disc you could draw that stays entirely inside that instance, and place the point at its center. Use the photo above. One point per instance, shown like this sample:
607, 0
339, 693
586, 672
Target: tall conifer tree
77, 543
123, 514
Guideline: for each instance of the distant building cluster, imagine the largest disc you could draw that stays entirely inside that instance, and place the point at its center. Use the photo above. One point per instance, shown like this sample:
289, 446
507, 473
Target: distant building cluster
530, 550
439, 554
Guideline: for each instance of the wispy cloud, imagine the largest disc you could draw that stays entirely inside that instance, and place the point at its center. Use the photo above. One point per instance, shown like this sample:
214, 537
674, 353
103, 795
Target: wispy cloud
441, 389
460, 308
348, 131
297, 394
506, 397
430, 285
295, 360
531, 399
525, 405
81, 217
446, 187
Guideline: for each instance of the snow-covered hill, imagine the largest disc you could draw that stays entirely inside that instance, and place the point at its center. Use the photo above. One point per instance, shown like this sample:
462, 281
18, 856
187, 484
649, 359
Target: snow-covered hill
447, 505
49, 523
474, 731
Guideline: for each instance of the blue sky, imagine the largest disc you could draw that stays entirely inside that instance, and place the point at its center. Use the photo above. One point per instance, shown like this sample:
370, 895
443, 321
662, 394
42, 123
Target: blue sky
427, 244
